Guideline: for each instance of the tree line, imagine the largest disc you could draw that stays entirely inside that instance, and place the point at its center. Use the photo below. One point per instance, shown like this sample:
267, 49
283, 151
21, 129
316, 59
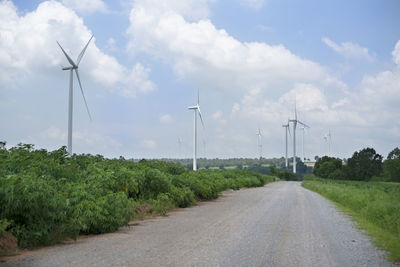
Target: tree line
364, 165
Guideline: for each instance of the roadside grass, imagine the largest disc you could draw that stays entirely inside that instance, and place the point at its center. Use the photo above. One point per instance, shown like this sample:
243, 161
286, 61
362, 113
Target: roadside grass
375, 206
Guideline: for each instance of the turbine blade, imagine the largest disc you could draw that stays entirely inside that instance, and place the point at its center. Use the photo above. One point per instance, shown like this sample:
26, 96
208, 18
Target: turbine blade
305, 125
288, 128
83, 52
84, 99
201, 118
65, 53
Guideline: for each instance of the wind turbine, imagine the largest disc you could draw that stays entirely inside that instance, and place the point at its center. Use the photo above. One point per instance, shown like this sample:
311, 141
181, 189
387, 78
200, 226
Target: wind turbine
295, 121
259, 142
204, 148
327, 139
329, 142
286, 142
180, 146
74, 66
303, 129
195, 109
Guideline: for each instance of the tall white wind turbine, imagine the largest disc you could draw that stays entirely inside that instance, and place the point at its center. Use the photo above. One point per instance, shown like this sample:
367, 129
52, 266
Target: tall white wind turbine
195, 109
302, 144
287, 129
327, 146
74, 66
295, 121
259, 144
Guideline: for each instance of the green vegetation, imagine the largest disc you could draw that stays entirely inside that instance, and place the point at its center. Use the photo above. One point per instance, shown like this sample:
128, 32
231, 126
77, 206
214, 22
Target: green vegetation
374, 205
253, 165
391, 166
48, 196
364, 165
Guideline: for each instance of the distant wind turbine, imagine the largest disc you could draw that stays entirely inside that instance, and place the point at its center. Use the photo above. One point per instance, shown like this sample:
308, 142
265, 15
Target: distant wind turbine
287, 129
303, 158
328, 139
195, 109
204, 148
74, 66
180, 146
259, 143
295, 121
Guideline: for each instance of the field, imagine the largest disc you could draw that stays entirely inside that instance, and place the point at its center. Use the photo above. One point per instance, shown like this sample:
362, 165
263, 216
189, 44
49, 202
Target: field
374, 205
46, 196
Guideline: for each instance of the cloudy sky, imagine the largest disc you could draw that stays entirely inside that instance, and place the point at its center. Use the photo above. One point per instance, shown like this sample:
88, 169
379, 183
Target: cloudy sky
249, 59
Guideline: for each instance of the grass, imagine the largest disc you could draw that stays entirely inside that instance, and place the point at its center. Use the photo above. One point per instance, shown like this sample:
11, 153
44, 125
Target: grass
375, 206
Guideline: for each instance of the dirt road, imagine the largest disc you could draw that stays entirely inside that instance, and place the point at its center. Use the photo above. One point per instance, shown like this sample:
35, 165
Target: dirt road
281, 224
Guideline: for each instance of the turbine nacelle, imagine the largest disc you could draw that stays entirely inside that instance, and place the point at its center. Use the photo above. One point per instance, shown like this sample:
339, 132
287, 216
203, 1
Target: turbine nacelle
194, 107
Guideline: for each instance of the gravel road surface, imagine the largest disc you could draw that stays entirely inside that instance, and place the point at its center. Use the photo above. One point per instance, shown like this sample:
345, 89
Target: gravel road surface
281, 224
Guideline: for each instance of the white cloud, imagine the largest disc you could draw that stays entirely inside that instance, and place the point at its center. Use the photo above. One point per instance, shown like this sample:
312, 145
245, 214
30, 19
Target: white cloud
349, 50
256, 4
396, 53
166, 119
217, 115
28, 50
149, 144
86, 6
199, 51
111, 44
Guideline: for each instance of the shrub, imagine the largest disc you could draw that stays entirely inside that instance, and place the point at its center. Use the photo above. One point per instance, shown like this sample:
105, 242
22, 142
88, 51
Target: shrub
328, 167
48, 196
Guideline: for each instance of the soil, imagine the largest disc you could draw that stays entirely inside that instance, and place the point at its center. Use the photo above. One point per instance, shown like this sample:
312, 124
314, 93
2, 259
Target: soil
8, 245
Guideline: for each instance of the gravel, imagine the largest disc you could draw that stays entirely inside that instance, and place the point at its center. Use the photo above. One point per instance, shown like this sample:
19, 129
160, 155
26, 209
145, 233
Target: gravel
281, 224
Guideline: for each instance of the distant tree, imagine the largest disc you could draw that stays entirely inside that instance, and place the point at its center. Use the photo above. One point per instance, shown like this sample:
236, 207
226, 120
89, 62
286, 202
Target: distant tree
221, 167
391, 165
189, 166
316, 158
363, 165
301, 168
287, 175
328, 167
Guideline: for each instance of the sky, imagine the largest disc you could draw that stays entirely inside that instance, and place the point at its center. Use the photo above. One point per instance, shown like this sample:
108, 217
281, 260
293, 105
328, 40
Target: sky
250, 61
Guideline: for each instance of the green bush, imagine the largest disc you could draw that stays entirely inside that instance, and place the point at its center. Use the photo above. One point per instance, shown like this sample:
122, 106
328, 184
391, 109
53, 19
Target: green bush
3, 225
48, 196
392, 165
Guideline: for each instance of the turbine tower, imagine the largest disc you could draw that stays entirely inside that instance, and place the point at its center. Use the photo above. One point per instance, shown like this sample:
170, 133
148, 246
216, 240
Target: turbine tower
74, 66
295, 121
287, 129
302, 143
195, 109
329, 142
180, 146
327, 146
259, 143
